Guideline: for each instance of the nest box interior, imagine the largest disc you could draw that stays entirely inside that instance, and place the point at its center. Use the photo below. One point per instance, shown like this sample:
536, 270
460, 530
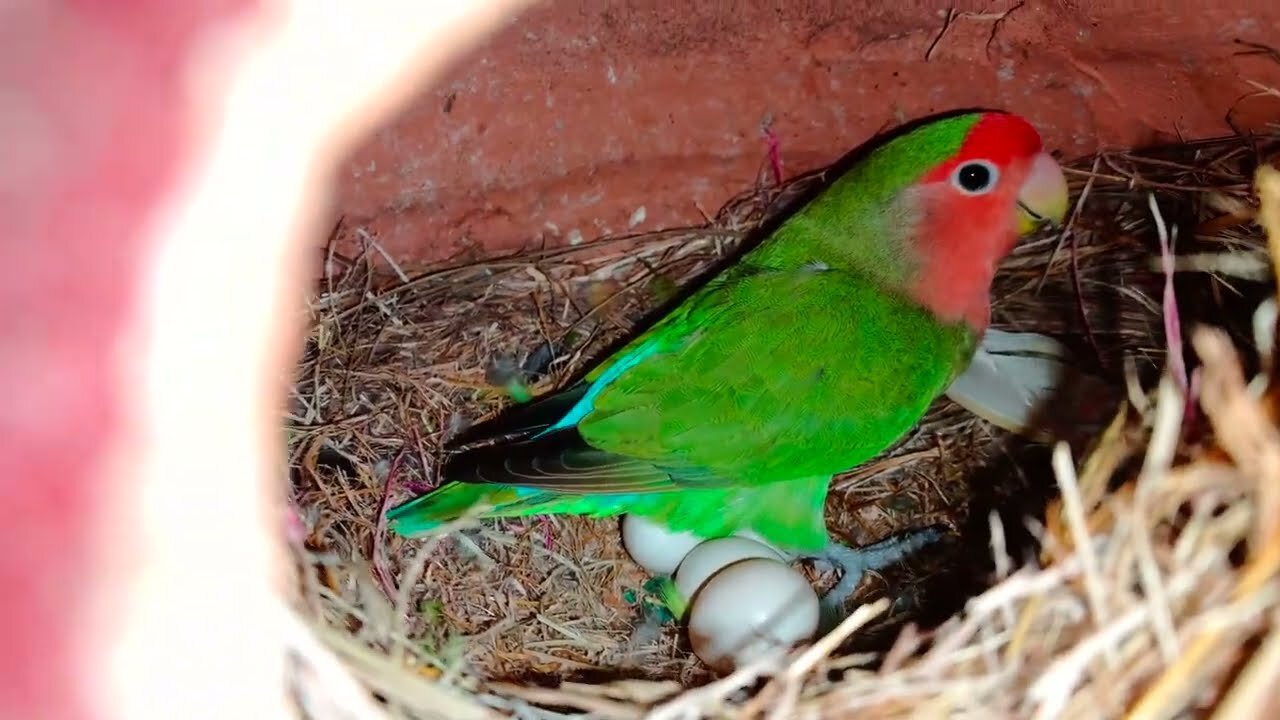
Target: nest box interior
560, 180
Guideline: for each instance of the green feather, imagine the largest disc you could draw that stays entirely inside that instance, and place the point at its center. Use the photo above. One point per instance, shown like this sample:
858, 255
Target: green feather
860, 222
666, 594
802, 360
775, 375
783, 376
448, 502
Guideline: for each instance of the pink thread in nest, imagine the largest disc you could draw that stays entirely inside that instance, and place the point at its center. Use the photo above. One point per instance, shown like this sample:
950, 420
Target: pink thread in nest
295, 531
381, 572
1172, 320
775, 153
548, 531
1193, 394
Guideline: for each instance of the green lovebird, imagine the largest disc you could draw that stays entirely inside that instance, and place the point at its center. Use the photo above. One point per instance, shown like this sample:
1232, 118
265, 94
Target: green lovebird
817, 349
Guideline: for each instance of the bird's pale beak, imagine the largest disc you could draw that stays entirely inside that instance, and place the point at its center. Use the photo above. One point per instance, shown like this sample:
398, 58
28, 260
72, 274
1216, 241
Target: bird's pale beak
1043, 196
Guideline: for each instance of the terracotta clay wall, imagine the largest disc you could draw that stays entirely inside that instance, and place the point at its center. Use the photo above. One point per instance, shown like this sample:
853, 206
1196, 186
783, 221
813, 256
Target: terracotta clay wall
582, 119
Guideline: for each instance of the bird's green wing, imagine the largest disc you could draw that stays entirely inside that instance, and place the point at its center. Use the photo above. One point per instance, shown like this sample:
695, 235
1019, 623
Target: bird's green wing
773, 375
730, 413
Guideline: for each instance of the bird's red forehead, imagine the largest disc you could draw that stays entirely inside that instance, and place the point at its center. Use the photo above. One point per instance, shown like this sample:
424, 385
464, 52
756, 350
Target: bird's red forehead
1001, 138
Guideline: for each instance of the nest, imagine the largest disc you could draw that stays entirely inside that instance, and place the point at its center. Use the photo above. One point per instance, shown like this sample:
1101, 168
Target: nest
1125, 582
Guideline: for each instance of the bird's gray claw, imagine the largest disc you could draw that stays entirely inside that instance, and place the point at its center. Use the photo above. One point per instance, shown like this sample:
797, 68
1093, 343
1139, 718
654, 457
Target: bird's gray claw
855, 562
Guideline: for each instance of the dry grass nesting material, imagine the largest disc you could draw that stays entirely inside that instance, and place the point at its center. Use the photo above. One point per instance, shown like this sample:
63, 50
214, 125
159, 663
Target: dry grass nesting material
1152, 590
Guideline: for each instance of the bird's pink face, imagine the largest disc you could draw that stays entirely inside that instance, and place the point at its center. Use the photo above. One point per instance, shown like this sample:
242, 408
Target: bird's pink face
999, 186
1003, 176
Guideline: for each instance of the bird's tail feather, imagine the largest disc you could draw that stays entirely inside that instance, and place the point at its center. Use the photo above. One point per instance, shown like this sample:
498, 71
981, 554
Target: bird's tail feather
445, 504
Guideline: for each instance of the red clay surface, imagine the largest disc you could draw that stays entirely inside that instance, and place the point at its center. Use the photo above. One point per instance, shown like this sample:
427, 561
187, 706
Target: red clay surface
582, 119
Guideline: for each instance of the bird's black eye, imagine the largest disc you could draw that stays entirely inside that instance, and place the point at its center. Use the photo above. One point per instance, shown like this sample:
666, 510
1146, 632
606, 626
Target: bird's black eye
976, 177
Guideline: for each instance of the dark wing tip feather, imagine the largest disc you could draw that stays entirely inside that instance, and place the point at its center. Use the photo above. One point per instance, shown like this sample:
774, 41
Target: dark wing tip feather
519, 422
561, 462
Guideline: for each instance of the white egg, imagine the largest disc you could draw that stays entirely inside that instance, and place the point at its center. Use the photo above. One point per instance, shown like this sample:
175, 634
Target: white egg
750, 608
709, 557
753, 535
654, 547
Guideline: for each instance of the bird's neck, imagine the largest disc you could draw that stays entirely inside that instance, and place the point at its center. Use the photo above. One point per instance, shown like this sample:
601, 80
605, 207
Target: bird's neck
941, 265
961, 292
955, 262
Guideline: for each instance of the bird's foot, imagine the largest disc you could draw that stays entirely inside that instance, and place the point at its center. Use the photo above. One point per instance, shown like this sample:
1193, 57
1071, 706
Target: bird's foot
855, 562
